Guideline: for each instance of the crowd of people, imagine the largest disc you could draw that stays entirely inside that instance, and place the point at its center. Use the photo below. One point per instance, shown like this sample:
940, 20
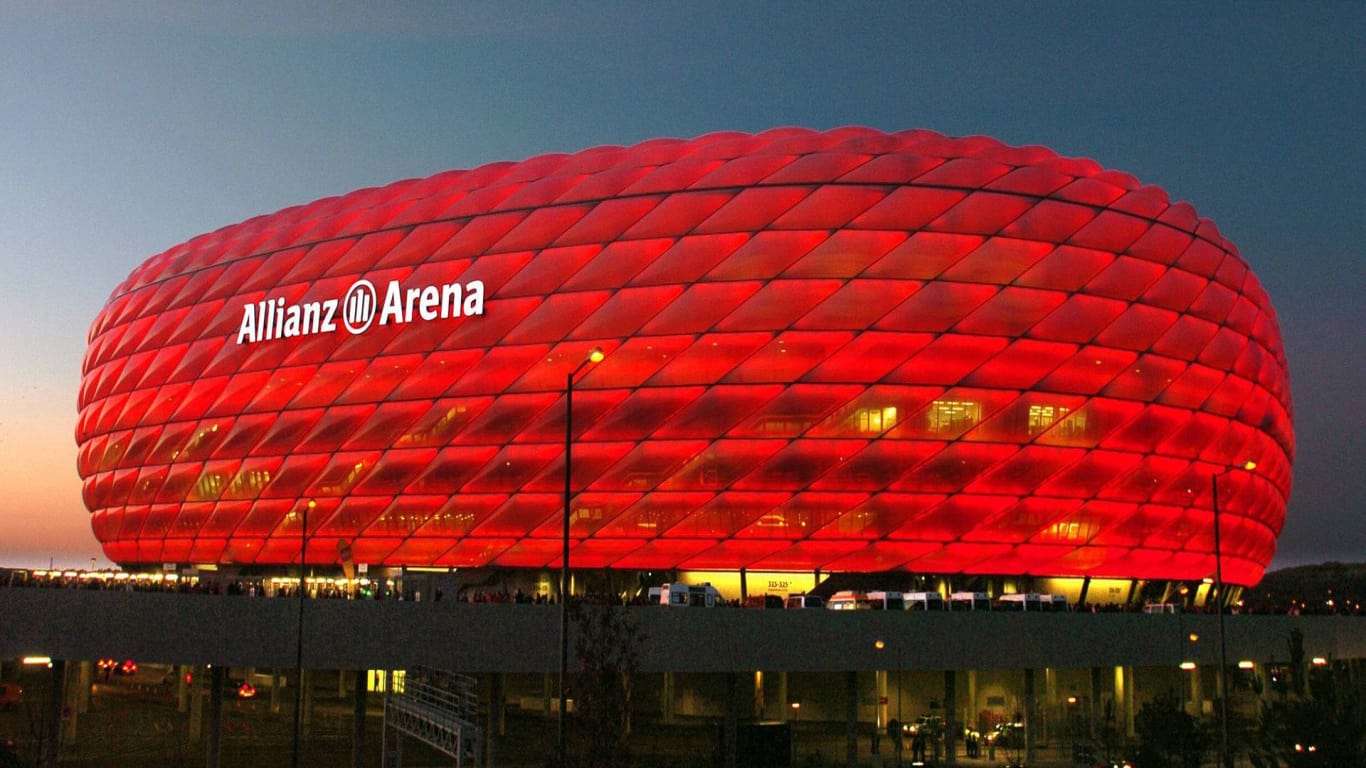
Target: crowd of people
389, 589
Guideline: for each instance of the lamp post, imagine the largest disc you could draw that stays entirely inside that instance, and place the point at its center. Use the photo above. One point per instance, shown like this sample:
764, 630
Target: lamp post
1226, 756
299, 637
594, 356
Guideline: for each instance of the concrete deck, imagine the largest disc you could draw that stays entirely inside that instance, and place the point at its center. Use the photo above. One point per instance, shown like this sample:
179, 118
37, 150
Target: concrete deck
341, 634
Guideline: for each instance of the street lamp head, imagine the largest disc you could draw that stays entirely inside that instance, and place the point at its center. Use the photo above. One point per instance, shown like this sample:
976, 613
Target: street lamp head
596, 355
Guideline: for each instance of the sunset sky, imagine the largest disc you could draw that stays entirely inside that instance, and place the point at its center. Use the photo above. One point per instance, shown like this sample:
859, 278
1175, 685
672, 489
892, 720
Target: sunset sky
127, 128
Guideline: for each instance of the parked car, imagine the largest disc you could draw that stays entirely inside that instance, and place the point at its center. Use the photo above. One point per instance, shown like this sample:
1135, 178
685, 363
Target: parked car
969, 601
848, 600
805, 601
886, 601
1058, 603
686, 595
1025, 601
924, 601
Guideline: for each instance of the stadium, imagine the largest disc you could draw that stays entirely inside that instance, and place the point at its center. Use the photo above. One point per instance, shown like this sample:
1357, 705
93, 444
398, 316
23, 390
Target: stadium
792, 353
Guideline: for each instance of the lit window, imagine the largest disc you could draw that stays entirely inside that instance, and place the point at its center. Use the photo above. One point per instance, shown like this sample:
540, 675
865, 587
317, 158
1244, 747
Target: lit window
439, 430
586, 515
1041, 417
953, 416
249, 483
209, 486
1072, 426
784, 424
875, 420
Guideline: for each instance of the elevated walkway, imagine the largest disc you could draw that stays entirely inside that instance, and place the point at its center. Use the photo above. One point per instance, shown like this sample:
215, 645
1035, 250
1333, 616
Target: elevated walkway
477, 638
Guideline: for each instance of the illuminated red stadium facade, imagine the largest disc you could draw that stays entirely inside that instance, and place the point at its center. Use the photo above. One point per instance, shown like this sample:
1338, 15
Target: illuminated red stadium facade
848, 350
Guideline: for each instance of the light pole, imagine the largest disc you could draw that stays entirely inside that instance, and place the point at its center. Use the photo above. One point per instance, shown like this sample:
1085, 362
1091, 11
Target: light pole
594, 356
299, 637
1227, 757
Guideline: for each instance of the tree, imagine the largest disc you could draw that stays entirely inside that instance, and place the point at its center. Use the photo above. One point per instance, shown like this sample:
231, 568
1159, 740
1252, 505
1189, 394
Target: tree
607, 645
1326, 729
1168, 737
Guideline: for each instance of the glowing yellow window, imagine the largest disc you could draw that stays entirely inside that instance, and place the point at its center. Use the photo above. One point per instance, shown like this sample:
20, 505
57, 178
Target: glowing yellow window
951, 416
876, 420
1041, 417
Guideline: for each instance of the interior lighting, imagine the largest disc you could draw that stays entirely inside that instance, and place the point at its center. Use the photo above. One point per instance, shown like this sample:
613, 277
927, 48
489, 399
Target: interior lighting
1245, 665
1249, 465
796, 705
596, 355
1071, 699
37, 661
878, 644
1188, 665
1319, 661
1194, 638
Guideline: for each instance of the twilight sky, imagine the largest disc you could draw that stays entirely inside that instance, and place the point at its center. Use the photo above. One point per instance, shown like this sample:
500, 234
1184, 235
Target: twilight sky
127, 128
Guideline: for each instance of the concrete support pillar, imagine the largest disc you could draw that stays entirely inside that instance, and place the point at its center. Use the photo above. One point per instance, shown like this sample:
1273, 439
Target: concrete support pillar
783, 705
500, 700
1121, 698
758, 710
1094, 721
306, 680
277, 684
666, 698
1129, 708
358, 720
972, 700
389, 757
950, 717
730, 728
84, 679
744, 586
197, 702
51, 731
1031, 717
182, 688
71, 695
1195, 699
213, 742
851, 719
1050, 702
880, 681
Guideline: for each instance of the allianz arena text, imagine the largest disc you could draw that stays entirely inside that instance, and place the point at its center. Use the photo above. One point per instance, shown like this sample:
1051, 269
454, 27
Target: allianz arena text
845, 350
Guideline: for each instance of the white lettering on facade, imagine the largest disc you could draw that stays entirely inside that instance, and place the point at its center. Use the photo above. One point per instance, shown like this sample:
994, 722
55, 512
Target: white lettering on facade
360, 310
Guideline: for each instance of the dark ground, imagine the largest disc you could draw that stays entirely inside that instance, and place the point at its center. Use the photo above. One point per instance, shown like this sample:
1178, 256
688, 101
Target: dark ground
133, 722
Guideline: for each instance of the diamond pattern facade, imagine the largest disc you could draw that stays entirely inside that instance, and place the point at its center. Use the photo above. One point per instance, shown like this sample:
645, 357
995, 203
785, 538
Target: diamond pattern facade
846, 350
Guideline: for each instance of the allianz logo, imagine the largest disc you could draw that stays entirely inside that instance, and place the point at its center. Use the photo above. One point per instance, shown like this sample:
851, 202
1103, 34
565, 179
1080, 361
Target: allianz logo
360, 308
